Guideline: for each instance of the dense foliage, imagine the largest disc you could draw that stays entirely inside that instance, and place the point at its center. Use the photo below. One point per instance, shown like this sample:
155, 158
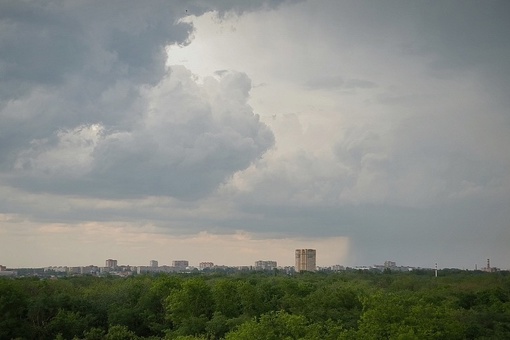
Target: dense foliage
348, 305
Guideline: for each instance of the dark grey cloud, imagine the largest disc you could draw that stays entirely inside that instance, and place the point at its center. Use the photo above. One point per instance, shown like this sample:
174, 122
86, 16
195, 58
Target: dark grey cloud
63, 64
467, 38
74, 78
236, 6
449, 38
186, 143
458, 233
44, 42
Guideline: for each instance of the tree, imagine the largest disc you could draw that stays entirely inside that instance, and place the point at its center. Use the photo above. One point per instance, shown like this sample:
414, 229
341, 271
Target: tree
272, 326
190, 307
334, 302
226, 298
68, 324
13, 311
406, 316
119, 332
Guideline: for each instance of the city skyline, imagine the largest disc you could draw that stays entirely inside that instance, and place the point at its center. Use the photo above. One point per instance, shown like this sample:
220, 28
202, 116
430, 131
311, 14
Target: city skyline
236, 131
304, 260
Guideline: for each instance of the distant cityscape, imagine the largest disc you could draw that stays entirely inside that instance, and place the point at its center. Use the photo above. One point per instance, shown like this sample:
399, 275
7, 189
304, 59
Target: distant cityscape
305, 261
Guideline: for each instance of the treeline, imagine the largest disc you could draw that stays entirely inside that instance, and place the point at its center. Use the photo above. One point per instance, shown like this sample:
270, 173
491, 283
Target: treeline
356, 305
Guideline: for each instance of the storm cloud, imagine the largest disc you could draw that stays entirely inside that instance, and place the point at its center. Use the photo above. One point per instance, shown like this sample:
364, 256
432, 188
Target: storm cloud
379, 128
89, 107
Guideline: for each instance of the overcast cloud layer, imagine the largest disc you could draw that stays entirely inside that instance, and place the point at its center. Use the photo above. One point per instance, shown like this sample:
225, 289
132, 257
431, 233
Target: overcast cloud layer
232, 132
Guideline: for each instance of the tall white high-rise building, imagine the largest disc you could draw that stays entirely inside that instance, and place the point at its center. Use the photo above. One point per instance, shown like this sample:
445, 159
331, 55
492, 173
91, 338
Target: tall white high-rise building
306, 260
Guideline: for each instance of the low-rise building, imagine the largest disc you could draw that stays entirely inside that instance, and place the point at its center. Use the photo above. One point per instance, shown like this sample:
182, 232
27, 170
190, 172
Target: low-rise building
205, 265
390, 264
110, 263
180, 264
265, 265
89, 270
8, 273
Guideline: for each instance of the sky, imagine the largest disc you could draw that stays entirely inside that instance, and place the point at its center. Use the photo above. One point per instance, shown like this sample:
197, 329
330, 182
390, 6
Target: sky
237, 131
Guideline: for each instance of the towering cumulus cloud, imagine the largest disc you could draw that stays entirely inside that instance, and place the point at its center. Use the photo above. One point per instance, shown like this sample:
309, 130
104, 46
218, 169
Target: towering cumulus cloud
89, 108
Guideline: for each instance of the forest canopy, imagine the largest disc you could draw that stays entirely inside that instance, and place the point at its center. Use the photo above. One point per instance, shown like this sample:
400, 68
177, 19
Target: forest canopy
346, 305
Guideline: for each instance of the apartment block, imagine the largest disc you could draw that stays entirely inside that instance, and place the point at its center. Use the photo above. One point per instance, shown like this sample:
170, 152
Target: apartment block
306, 260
